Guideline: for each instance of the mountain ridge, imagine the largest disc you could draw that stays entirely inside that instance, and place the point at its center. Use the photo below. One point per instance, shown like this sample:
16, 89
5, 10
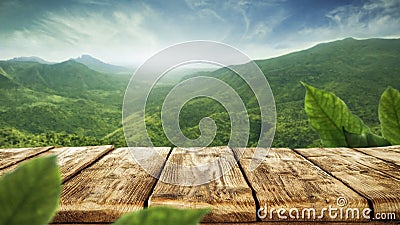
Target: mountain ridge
72, 98
30, 59
346, 67
85, 59
101, 66
61, 77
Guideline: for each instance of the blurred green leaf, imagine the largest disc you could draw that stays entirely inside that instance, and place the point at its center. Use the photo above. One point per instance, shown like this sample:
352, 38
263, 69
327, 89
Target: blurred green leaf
389, 115
30, 194
364, 140
329, 115
163, 216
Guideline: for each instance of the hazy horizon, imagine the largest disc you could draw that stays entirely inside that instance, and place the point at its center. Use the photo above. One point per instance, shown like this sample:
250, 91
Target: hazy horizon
128, 32
132, 66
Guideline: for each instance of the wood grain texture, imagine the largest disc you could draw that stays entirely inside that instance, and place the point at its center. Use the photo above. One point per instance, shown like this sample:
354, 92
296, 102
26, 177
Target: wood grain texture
389, 154
372, 162
12, 156
285, 181
276, 223
71, 159
308, 223
112, 186
229, 196
102, 184
369, 176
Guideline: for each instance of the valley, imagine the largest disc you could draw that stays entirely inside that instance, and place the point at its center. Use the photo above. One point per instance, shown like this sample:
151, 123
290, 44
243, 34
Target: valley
71, 104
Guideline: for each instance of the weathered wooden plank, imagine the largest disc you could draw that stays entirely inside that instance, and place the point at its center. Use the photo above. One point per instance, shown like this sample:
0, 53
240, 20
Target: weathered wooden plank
274, 223
308, 223
287, 182
374, 163
12, 156
229, 196
72, 159
389, 154
278, 223
112, 186
367, 175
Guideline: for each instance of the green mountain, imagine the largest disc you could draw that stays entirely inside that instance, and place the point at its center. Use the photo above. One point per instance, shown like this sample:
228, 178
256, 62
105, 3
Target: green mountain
48, 104
66, 78
30, 59
358, 71
68, 98
6, 83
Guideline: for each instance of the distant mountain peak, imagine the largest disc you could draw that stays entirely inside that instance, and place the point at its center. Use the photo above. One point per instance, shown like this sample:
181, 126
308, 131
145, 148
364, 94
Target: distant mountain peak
100, 66
87, 57
71, 62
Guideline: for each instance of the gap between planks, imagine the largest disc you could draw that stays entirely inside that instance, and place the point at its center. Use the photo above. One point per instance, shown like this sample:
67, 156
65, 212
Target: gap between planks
12, 156
375, 179
370, 162
271, 223
376, 222
109, 188
71, 160
285, 180
229, 196
389, 154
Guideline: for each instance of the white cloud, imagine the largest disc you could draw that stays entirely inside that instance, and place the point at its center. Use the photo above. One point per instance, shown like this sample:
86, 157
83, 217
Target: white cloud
371, 19
114, 37
130, 32
201, 10
194, 4
205, 13
94, 2
264, 29
374, 18
240, 6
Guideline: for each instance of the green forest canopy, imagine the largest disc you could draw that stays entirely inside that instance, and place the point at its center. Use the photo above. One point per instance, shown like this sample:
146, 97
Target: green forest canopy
68, 104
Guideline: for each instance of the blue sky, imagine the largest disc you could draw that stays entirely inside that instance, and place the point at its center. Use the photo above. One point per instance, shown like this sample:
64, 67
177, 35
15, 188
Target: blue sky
128, 32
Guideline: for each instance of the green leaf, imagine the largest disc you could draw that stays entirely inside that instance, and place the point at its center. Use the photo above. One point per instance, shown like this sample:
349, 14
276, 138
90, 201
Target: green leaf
329, 115
30, 194
389, 115
376, 141
163, 216
364, 140
356, 140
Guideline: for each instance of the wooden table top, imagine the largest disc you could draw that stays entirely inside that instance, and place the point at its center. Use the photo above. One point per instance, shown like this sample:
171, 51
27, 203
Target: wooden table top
297, 186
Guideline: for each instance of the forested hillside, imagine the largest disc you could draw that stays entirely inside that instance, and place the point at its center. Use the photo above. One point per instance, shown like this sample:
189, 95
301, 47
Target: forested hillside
358, 71
70, 104
41, 103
